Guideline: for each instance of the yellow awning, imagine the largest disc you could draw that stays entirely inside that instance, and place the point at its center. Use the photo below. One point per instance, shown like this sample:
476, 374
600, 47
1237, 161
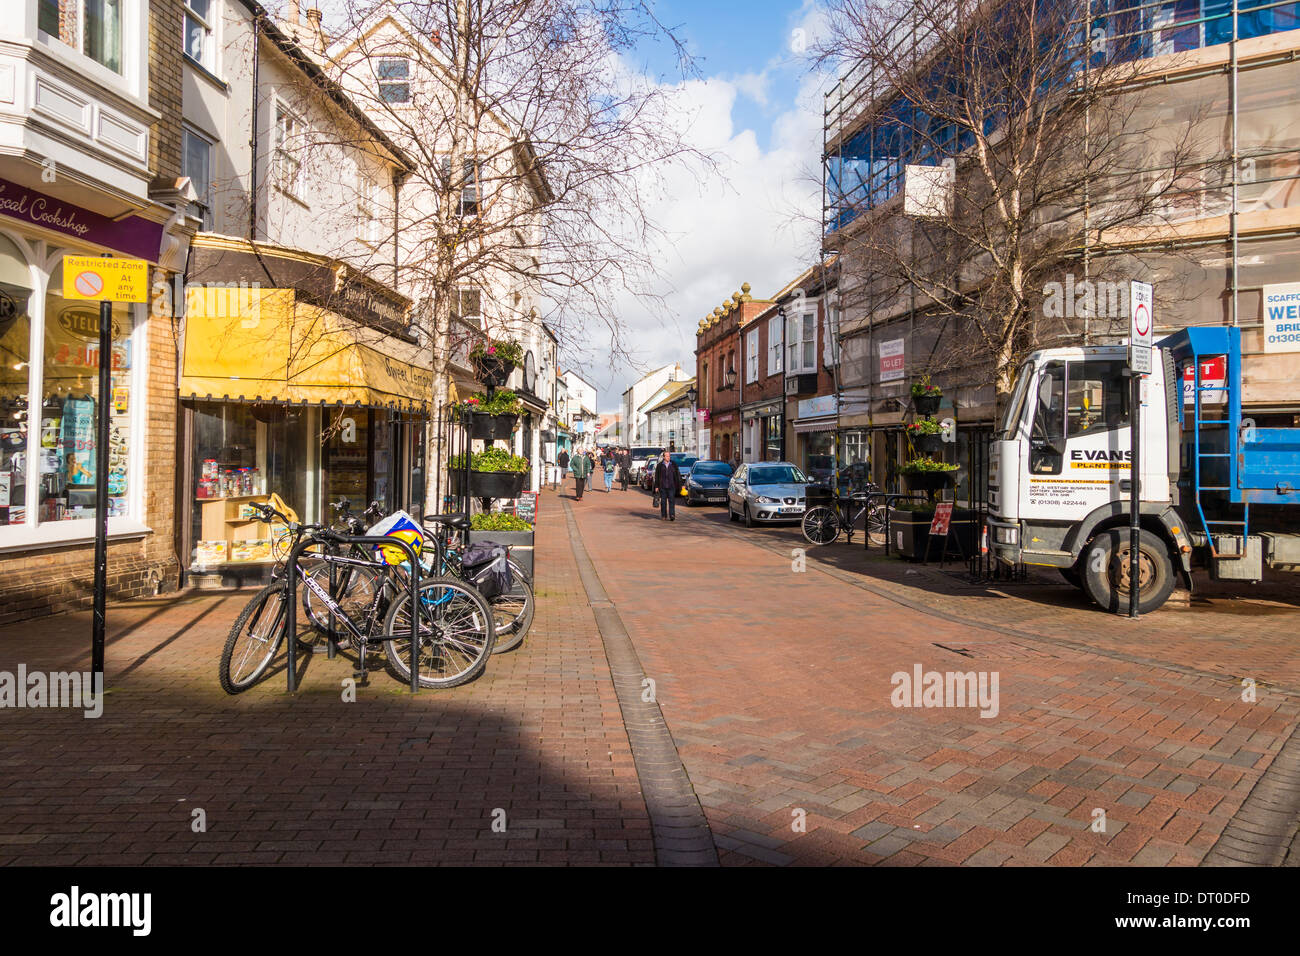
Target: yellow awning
264, 345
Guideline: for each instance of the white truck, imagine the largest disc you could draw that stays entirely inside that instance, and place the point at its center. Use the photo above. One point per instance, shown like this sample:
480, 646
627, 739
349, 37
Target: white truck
1214, 487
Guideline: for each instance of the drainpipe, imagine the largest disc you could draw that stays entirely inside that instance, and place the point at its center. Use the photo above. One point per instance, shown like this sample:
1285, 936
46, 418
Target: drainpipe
252, 139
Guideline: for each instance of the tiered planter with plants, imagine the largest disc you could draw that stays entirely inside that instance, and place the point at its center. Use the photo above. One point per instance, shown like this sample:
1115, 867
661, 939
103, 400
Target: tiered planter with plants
508, 530
926, 437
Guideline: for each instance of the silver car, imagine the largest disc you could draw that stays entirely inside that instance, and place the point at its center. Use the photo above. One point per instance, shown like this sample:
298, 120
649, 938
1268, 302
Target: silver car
765, 492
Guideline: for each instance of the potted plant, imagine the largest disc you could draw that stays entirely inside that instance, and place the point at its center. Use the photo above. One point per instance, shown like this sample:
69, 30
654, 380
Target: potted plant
927, 474
512, 531
926, 436
494, 361
926, 397
909, 528
493, 415
493, 473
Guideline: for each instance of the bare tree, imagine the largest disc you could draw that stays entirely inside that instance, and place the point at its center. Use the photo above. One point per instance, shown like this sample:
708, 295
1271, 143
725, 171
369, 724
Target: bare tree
1057, 158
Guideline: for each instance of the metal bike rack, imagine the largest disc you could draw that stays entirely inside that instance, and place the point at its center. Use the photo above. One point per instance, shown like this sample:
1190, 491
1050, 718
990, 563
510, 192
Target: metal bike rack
337, 539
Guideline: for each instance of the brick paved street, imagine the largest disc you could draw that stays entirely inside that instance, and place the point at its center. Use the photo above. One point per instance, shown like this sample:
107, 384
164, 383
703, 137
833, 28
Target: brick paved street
776, 686
315, 780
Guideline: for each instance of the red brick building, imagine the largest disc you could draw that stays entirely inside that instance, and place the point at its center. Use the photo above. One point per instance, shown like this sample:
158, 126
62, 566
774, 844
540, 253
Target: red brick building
719, 371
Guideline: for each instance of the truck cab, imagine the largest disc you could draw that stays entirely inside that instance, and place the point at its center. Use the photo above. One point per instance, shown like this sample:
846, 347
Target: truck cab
1060, 471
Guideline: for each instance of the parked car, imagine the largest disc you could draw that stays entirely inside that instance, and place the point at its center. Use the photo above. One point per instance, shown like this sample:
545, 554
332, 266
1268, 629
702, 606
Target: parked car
684, 463
766, 492
853, 477
708, 482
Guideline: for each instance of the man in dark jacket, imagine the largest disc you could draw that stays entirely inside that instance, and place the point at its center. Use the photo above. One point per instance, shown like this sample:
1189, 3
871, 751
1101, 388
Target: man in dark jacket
581, 470
668, 485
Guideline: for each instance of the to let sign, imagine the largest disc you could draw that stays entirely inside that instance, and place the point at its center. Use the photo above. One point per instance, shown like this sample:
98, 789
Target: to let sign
105, 280
942, 518
892, 360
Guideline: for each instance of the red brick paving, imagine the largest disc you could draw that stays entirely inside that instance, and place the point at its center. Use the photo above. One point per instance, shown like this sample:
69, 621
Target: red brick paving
389, 779
776, 686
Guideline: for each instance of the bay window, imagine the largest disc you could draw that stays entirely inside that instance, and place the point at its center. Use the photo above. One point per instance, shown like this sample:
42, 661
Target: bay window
92, 27
801, 343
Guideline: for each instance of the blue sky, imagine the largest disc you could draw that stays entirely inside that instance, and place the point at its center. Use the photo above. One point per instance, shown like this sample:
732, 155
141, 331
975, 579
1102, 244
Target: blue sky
731, 39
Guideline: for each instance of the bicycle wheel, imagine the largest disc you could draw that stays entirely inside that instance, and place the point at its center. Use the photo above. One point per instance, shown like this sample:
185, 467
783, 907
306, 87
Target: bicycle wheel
355, 585
512, 612
455, 628
820, 525
254, 639
876, 524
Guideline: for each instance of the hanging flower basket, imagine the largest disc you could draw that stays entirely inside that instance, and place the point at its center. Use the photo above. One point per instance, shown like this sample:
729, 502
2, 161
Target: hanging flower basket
492, 371
926, 404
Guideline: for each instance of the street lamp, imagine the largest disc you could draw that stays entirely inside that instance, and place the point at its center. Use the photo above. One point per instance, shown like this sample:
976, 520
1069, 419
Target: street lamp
691, 395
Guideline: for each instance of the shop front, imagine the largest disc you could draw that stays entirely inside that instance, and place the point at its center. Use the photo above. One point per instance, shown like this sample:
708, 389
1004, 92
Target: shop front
282, 395
814, 431
49, 404
763, 428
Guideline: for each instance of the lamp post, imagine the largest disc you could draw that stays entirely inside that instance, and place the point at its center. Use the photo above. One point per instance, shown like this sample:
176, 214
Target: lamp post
691, 395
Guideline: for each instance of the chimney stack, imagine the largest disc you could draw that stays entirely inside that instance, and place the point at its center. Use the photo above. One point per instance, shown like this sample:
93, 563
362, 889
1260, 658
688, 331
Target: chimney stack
318, 33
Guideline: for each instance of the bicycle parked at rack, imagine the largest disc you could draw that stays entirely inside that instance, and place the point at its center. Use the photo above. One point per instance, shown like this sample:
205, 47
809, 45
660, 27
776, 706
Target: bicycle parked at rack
833, 516
513, 610
454, 623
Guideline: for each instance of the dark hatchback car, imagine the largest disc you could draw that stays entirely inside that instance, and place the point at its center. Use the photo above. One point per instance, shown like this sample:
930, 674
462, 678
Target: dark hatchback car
708, 482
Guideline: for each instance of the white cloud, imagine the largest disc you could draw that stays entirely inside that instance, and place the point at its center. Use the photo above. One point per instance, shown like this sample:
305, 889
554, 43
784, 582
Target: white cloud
753, 220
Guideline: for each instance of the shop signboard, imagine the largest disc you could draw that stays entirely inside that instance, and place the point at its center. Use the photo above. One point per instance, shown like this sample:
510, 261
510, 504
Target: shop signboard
942, 518
132, 235
526, 506
1282, 317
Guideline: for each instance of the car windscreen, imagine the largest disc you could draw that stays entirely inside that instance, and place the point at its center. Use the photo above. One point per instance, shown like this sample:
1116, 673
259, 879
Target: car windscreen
711, 468
776, 475
646, 452
684, 461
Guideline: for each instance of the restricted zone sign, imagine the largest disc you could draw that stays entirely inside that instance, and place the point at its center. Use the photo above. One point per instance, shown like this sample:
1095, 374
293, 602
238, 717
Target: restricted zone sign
105, 280
1142, 318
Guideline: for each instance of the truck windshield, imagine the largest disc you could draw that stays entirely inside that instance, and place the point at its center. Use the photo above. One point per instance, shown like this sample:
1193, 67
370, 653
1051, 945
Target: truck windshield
1011, 417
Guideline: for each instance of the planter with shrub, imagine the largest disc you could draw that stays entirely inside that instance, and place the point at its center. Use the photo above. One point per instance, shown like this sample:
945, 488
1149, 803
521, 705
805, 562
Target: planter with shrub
926, 437
909, 531
508, 530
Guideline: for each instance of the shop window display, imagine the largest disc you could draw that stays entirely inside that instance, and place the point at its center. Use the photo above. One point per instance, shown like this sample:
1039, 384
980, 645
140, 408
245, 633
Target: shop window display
69, 458
15, 384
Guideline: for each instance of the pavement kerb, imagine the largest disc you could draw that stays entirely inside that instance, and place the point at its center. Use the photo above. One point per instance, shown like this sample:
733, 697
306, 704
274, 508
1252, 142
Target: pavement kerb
679, 828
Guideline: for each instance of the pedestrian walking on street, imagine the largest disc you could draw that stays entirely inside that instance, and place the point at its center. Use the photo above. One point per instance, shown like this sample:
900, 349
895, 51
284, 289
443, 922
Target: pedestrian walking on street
563, 461
581, 466
608, 466
625, 467
668, 485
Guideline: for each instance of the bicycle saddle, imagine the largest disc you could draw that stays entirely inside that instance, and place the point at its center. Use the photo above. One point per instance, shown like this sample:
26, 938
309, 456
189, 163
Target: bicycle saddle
458, 521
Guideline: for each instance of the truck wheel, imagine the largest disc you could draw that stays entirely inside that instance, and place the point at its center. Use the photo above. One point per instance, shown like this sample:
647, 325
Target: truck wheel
1105, 571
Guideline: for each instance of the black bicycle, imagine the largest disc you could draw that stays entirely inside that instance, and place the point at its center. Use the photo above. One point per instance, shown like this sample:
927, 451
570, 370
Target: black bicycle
828, 515
454, 624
